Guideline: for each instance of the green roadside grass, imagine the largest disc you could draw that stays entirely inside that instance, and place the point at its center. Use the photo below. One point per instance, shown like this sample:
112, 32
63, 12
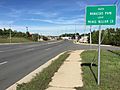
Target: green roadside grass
41, 80
14, 40
110, 70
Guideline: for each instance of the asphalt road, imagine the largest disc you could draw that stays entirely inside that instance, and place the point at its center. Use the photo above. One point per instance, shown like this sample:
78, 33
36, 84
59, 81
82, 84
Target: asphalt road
18, 60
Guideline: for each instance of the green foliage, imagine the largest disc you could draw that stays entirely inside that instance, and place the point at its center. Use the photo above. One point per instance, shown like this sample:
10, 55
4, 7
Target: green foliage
41, 80
45, 38
28, 34
14, 40
109, 36
69, 35
5, 35
110, 74
35, 37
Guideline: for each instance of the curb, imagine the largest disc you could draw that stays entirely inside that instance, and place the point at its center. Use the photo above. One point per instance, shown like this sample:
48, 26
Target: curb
31, 75
91, 44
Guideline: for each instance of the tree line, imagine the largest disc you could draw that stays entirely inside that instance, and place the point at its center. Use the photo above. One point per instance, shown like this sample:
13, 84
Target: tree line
109, 36
71, 35
5, 33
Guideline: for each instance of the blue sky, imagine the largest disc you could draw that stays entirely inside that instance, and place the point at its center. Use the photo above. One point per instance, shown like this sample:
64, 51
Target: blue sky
48, 17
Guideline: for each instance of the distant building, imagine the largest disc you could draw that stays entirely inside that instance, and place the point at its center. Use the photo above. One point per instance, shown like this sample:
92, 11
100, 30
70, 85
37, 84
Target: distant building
53, 37
41, 39
84, 39
66, 38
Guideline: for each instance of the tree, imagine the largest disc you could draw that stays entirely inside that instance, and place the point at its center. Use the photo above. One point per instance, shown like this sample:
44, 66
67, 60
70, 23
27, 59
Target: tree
27, 34
35, 37
109, 36
45, 38
1, 32
117, 36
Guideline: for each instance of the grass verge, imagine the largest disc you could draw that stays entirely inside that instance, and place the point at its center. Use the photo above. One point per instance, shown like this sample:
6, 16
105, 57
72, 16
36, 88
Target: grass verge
41, 80
110, 70
14, 40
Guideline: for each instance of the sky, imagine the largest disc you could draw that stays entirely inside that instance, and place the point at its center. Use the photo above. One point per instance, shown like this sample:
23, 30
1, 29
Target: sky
49, 17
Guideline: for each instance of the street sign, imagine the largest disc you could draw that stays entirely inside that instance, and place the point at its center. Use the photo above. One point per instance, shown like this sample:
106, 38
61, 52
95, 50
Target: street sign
101, 15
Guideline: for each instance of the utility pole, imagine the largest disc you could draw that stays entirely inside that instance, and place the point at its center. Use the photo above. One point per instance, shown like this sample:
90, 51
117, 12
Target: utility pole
10, 34
116, 3
75, 33
99, 55
27, 29
38, 37
85, 21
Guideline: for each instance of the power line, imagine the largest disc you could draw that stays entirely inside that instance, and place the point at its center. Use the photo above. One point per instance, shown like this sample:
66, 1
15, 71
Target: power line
115, 2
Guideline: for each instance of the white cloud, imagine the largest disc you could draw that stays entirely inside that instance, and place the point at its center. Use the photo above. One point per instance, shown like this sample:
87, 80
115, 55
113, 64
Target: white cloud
62, 20
48, 30
82, 4
11, 12
4, 23
118, 17
16, 13
43, 13
72, 9
40, 20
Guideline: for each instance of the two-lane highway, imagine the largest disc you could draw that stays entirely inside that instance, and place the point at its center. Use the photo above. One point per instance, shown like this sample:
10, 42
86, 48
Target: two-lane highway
18, 60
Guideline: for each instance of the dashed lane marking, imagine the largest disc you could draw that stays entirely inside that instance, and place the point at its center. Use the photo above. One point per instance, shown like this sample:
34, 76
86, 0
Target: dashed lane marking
3, 62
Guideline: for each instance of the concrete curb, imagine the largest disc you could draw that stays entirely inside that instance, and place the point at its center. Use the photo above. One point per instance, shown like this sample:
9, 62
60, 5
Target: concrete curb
91, 44
28, 77
9, 43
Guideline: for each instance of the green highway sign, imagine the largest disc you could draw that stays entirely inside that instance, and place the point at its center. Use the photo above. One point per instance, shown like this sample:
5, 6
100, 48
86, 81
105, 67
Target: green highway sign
101, 15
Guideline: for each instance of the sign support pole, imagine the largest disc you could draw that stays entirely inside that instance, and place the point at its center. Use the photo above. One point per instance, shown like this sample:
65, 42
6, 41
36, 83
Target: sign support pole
99, 55
90, 37
108, 18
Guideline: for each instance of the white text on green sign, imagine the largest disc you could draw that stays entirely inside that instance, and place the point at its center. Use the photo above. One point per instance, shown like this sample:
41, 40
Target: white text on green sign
101, 15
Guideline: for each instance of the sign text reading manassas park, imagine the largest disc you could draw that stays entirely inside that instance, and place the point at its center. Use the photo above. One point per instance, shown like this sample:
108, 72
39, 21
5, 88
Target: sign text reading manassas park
101, 15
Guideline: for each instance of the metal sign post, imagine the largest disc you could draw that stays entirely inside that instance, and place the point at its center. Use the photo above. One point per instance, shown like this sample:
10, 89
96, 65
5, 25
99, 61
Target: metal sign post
100, 15
99, 55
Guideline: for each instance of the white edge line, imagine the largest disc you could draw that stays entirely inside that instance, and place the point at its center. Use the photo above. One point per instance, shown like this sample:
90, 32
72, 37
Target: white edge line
30, 49
48, 49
